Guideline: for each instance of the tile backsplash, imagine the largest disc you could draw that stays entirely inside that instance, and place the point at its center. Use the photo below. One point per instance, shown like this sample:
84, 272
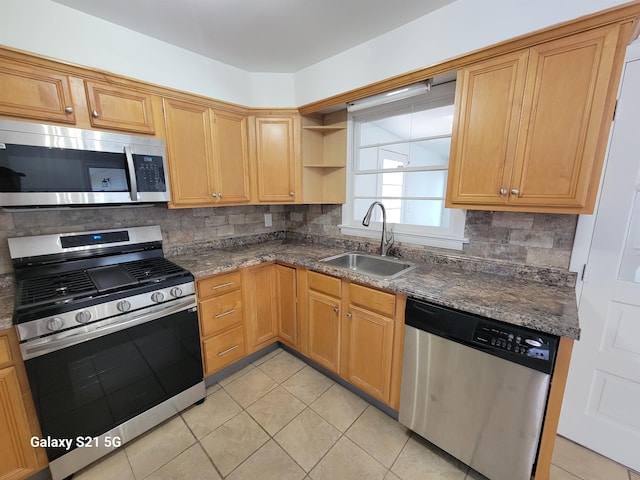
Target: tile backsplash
523, 238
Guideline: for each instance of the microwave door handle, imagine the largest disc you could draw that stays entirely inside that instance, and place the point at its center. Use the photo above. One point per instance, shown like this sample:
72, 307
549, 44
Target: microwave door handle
132, 174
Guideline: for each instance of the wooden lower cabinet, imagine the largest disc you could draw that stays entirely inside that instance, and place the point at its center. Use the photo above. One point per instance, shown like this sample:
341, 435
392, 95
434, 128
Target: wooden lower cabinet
351, 330
287, 304
18, 421
262, 314
368, 347
323, 330
221, 318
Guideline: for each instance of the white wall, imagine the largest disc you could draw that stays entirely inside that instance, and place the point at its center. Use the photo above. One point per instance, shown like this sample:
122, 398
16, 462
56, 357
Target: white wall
453, 30
56, 31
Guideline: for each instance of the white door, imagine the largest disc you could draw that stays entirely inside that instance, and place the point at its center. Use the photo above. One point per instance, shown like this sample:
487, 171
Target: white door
601, 408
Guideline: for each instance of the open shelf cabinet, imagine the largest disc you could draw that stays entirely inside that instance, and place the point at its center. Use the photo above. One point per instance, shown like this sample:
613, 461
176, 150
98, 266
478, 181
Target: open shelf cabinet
324, 157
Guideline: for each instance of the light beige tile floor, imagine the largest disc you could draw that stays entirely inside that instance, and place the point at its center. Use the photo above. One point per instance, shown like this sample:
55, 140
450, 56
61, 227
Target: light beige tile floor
280, 419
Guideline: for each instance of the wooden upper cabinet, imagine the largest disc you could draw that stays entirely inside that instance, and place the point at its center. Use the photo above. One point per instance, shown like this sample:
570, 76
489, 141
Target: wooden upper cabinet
36, 93
487, 112
188, 146
531, 127
208, 155
276, 158
231, 157
118, 108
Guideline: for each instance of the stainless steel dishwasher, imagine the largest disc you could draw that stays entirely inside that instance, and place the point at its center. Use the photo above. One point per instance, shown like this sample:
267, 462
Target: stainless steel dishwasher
476, 388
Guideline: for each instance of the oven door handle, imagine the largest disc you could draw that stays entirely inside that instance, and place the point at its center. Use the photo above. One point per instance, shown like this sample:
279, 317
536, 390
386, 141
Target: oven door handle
35, 348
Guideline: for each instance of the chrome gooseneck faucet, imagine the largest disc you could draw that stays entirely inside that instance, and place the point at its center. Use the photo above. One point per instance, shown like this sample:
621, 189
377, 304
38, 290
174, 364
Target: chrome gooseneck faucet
387, 237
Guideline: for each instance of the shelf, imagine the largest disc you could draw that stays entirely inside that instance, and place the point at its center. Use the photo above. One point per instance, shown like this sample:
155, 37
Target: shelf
324, 128
322, 165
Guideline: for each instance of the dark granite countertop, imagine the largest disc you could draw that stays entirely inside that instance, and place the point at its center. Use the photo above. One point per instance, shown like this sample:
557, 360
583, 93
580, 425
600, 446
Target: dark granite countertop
546, 307
533, 304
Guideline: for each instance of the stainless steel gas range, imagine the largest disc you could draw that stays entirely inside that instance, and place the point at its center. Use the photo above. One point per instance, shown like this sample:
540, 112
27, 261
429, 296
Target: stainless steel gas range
108, 331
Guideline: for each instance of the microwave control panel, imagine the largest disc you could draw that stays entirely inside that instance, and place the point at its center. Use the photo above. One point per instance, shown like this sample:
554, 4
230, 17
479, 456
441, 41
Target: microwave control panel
150, 173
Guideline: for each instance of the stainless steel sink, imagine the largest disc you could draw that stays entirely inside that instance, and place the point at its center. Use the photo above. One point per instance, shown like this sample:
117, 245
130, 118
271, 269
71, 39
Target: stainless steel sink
374, 265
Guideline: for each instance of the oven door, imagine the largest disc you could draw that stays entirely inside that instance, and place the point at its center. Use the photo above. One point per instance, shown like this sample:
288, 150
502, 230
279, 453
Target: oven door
85, 387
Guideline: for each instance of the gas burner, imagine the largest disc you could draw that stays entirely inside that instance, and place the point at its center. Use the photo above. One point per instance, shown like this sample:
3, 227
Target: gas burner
58, 289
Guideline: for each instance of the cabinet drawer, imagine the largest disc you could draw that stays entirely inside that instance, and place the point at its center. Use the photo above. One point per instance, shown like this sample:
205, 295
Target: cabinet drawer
223, 349
221, 312
325, 284
218, 284
373, 300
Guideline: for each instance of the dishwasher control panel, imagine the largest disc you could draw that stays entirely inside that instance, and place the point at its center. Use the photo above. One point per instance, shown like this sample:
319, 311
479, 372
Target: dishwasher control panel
512, 340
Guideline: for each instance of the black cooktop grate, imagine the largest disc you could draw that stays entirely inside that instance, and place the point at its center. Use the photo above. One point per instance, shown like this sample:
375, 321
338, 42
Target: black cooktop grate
58, 288
153, 270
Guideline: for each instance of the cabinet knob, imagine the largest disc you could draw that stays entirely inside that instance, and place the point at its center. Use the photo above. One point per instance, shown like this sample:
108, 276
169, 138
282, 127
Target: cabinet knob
220, 195
503, 191
515, 191
349, 315
95, 114
336, 309
291, 194
68, 109
214, 194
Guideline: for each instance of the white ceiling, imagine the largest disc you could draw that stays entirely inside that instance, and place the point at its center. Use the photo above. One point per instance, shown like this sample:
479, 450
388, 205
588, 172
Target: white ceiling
261, 35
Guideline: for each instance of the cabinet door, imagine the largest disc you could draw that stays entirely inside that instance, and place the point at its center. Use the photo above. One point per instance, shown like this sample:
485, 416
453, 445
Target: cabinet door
261, 308
36, 93
276, 159
119, 108
483, 144
286, 280
231, 157
189, 153
323, 330
368, 345
564, 108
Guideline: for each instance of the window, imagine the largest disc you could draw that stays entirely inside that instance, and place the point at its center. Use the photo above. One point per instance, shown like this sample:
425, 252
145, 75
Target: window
399, 156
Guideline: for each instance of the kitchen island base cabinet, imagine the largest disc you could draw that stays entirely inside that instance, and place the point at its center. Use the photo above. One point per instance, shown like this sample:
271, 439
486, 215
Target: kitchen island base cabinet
18, 420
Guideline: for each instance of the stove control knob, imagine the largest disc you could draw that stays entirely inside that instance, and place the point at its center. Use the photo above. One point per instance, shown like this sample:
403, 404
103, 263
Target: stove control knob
176, 292
123, 306
157, 297
54, 324
83, 317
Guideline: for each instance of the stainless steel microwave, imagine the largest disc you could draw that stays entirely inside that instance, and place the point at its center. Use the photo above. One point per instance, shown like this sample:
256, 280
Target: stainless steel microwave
48, 165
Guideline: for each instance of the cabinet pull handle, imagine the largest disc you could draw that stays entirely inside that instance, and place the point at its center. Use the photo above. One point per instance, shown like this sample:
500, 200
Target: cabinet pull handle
233, 310
515, 191
228, 284
336, 309
503, 191
349, 315
95, 114
228, 350
68, 109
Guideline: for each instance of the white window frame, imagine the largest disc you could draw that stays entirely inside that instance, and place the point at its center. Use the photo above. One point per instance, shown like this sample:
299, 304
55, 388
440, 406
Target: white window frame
451, 237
